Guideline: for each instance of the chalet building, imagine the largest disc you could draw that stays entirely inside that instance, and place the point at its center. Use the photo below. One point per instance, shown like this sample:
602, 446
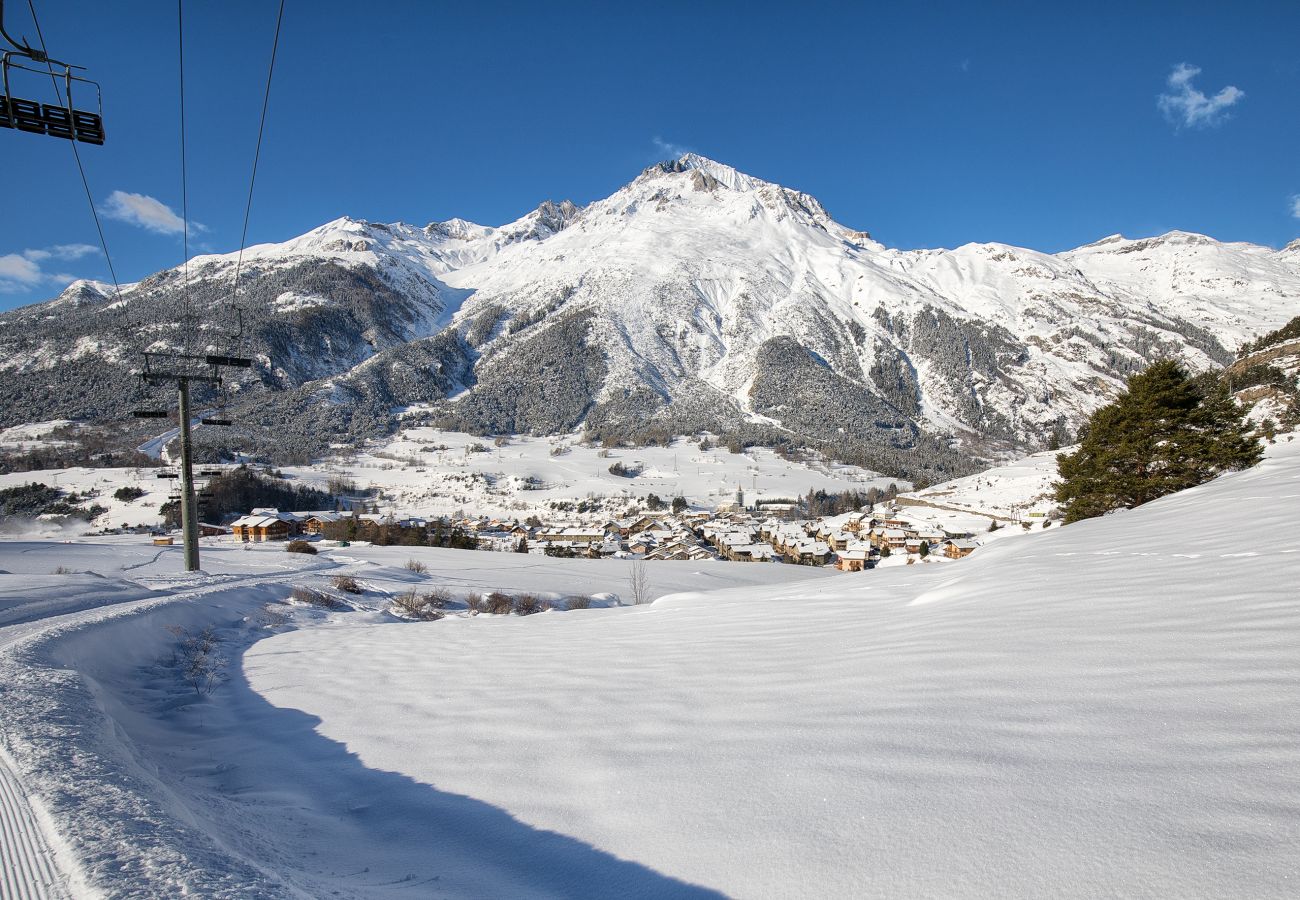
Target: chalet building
853, 561
959, 548
261, 528
315, 523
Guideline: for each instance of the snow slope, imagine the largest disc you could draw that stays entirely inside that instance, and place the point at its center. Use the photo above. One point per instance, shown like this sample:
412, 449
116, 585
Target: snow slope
1106, 710
1109, 709
520, 479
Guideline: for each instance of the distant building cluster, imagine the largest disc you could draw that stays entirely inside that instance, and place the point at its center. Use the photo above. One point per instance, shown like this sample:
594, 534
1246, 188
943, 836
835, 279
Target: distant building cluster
851, 542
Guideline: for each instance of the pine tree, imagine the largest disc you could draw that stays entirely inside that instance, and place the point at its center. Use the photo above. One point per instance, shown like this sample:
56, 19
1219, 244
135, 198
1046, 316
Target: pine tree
1164, 434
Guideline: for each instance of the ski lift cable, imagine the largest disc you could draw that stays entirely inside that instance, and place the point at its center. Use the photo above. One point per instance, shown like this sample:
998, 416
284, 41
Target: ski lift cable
257, 152
185, 201
76, 154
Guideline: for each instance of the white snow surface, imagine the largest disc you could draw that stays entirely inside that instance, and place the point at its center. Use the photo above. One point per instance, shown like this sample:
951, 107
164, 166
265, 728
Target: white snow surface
1108, 709
519, 479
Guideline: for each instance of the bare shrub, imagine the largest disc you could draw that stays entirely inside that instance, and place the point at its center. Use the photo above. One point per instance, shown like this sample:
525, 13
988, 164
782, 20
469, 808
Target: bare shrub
414, 565
201, 666
300, 547
313, 597
577, 601
474, 602
346, 583
416, 605
273, 616
62, 570
530, 604
438, 597
639, 581
499, 604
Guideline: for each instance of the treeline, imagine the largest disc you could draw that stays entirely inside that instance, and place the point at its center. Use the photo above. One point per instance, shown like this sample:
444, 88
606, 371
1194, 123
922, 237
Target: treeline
240, 490
78, 444
1288, 332
27, 501
820, 503
436, 534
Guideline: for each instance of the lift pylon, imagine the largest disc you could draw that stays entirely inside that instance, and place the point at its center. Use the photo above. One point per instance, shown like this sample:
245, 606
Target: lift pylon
182, 370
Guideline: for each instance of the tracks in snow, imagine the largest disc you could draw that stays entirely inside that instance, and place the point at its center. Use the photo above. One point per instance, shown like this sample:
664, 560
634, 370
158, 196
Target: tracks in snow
28, 870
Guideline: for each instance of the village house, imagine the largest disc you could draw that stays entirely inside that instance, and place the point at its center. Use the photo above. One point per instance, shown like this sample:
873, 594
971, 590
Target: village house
261, 528
315, 523
853, 560
959, 548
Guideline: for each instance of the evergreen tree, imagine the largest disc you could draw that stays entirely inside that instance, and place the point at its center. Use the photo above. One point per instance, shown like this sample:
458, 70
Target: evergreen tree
1164, 434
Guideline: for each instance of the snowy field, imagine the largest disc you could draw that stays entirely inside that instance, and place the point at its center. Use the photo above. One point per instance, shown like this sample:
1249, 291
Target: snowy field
528, 473
519, 479
1109, 709
1021, 490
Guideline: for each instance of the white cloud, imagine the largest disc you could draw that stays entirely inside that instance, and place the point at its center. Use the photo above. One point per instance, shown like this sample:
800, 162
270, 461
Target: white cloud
1186, 107
669, 150
73, 251
21, 272
147, 212
1295, 205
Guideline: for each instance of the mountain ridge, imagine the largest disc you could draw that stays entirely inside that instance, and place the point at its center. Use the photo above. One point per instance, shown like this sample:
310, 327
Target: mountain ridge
682, 302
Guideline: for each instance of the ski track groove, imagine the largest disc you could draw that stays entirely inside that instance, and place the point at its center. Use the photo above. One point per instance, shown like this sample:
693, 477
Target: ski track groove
28, 870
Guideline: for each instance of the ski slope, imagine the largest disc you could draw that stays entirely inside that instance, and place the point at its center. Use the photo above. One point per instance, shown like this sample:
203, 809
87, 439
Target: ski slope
1109, 709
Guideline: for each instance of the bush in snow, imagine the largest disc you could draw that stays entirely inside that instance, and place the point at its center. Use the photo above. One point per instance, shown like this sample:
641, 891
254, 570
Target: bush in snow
414, 565
424, 606
530, 604
300, 547
313, 597
499, 604
474, 602
346, 583
577, 601
200, 664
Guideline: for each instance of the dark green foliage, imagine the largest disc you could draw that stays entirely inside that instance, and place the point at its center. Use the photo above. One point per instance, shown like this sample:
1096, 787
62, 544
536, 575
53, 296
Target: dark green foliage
653, 503
1258, 375
679, 505
544, 385
559, 552
128, 493
26, 501
924, 550
1288, 332
240, 490
819, 503
1166, 433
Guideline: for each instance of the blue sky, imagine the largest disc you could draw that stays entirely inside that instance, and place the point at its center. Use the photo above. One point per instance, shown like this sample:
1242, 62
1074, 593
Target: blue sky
927, 124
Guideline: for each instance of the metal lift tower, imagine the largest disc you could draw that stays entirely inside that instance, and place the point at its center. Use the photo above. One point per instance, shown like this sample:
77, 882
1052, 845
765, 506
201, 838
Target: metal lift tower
181, 370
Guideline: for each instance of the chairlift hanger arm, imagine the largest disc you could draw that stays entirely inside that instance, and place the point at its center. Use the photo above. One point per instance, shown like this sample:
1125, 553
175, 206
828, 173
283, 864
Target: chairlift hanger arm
22, 47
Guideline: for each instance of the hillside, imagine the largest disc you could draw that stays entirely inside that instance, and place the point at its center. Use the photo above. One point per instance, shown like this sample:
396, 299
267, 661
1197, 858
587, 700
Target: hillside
694, 298
1105, 709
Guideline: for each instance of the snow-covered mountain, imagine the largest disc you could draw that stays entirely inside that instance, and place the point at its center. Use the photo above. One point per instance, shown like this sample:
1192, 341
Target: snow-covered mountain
696, 297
